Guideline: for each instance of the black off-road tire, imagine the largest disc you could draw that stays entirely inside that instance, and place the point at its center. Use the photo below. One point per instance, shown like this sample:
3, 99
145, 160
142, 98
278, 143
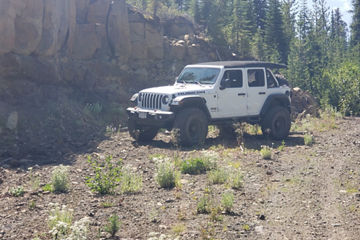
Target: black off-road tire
190, 127
141, 133
276, 123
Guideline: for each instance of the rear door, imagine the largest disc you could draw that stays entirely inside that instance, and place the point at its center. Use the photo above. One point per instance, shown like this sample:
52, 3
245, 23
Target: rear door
256, 90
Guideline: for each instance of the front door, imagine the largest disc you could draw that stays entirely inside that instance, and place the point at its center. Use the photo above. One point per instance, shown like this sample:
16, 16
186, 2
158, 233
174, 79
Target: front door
232, 99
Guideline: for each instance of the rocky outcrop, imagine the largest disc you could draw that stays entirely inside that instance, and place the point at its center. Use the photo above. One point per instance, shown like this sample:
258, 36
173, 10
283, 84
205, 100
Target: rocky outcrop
59, 58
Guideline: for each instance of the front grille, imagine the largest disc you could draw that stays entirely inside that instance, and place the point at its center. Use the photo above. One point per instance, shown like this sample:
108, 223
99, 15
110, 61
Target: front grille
151, 100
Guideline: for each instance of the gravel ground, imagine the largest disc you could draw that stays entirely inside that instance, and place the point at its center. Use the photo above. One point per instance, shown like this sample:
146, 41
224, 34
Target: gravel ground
302, 192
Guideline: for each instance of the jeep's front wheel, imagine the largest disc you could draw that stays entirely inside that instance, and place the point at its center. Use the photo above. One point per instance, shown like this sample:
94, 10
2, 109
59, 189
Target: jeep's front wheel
141, 133
276, 123
190, 127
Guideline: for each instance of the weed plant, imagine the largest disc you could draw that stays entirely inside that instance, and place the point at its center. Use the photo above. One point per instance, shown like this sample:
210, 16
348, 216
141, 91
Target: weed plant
60, 224
227, 201
236, 180
218, 176
113, 225
203, 206
60, 221
17, 191
60, 179
194, 166
265, 152
106, 177
167, 176
308, 139
47, 187
215, 214
34, 181
178, 228
130, 181
80, 229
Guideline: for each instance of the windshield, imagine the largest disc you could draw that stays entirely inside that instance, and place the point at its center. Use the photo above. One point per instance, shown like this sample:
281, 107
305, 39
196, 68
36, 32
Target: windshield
199, 75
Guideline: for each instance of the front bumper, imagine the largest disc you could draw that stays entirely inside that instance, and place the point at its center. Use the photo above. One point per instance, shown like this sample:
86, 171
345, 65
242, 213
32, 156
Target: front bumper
149, 117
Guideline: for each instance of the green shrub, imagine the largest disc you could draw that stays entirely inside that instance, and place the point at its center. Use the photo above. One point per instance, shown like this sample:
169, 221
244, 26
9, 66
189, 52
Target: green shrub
60, 220
218, 176
203, 206
236, 180
47, 188
60, 224
308, 139
227, 201
178, 228
17, 191
106, 177
167, 176
265, 152
130, 182
34, 180
215, 214
193, 166
113, 226
60, 179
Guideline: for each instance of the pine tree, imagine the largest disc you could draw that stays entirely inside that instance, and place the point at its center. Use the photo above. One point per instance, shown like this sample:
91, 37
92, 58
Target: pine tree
298, 62
355, 25
275, 41
260, 7
195, 10
289, 19
338, 43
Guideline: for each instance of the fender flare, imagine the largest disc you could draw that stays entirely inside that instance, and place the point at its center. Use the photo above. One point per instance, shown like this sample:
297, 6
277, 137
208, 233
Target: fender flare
182, 102
275, 99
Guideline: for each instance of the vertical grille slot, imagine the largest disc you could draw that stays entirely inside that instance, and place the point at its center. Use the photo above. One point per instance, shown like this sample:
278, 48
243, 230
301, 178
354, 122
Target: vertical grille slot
151, 100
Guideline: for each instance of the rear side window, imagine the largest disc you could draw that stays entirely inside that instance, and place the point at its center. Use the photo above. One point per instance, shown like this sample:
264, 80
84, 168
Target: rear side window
270, 80
235, 78
256, 78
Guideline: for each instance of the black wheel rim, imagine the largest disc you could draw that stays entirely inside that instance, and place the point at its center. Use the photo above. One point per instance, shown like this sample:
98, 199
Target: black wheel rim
194, 129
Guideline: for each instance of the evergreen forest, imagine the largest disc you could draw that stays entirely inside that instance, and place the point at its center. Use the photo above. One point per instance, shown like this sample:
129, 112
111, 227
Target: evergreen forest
322, 52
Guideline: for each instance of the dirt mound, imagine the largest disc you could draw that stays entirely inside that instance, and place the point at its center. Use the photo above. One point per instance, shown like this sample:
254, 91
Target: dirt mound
303, 103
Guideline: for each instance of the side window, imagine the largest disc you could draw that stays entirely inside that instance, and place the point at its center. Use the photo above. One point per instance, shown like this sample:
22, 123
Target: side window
256, 78
270, 80
235, 78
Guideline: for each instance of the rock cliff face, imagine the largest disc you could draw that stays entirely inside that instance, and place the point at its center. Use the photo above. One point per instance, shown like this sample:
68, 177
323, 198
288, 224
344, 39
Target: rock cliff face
68, 67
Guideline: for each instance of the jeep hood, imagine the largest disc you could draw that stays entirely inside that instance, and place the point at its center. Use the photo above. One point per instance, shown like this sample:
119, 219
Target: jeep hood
178, 88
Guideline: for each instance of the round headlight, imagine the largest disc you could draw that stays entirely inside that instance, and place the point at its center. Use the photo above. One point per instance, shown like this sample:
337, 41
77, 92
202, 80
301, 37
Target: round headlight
140, 97
165, 100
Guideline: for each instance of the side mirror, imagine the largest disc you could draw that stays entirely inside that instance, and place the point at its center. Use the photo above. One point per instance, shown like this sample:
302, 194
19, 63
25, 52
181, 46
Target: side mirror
224, 83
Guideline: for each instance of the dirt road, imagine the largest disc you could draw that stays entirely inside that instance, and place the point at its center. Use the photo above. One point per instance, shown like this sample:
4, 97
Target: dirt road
303, 192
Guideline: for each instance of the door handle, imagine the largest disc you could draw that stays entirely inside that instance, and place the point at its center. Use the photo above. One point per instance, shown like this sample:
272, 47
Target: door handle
241, 94
262, 93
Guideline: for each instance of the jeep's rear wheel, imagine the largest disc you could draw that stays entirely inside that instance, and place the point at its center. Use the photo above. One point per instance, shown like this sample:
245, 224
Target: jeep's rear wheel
141, 133
190, 127
276, 123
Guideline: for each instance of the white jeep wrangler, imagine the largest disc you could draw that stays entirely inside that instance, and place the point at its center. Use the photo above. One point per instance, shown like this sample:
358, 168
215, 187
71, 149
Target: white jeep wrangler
218, 93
